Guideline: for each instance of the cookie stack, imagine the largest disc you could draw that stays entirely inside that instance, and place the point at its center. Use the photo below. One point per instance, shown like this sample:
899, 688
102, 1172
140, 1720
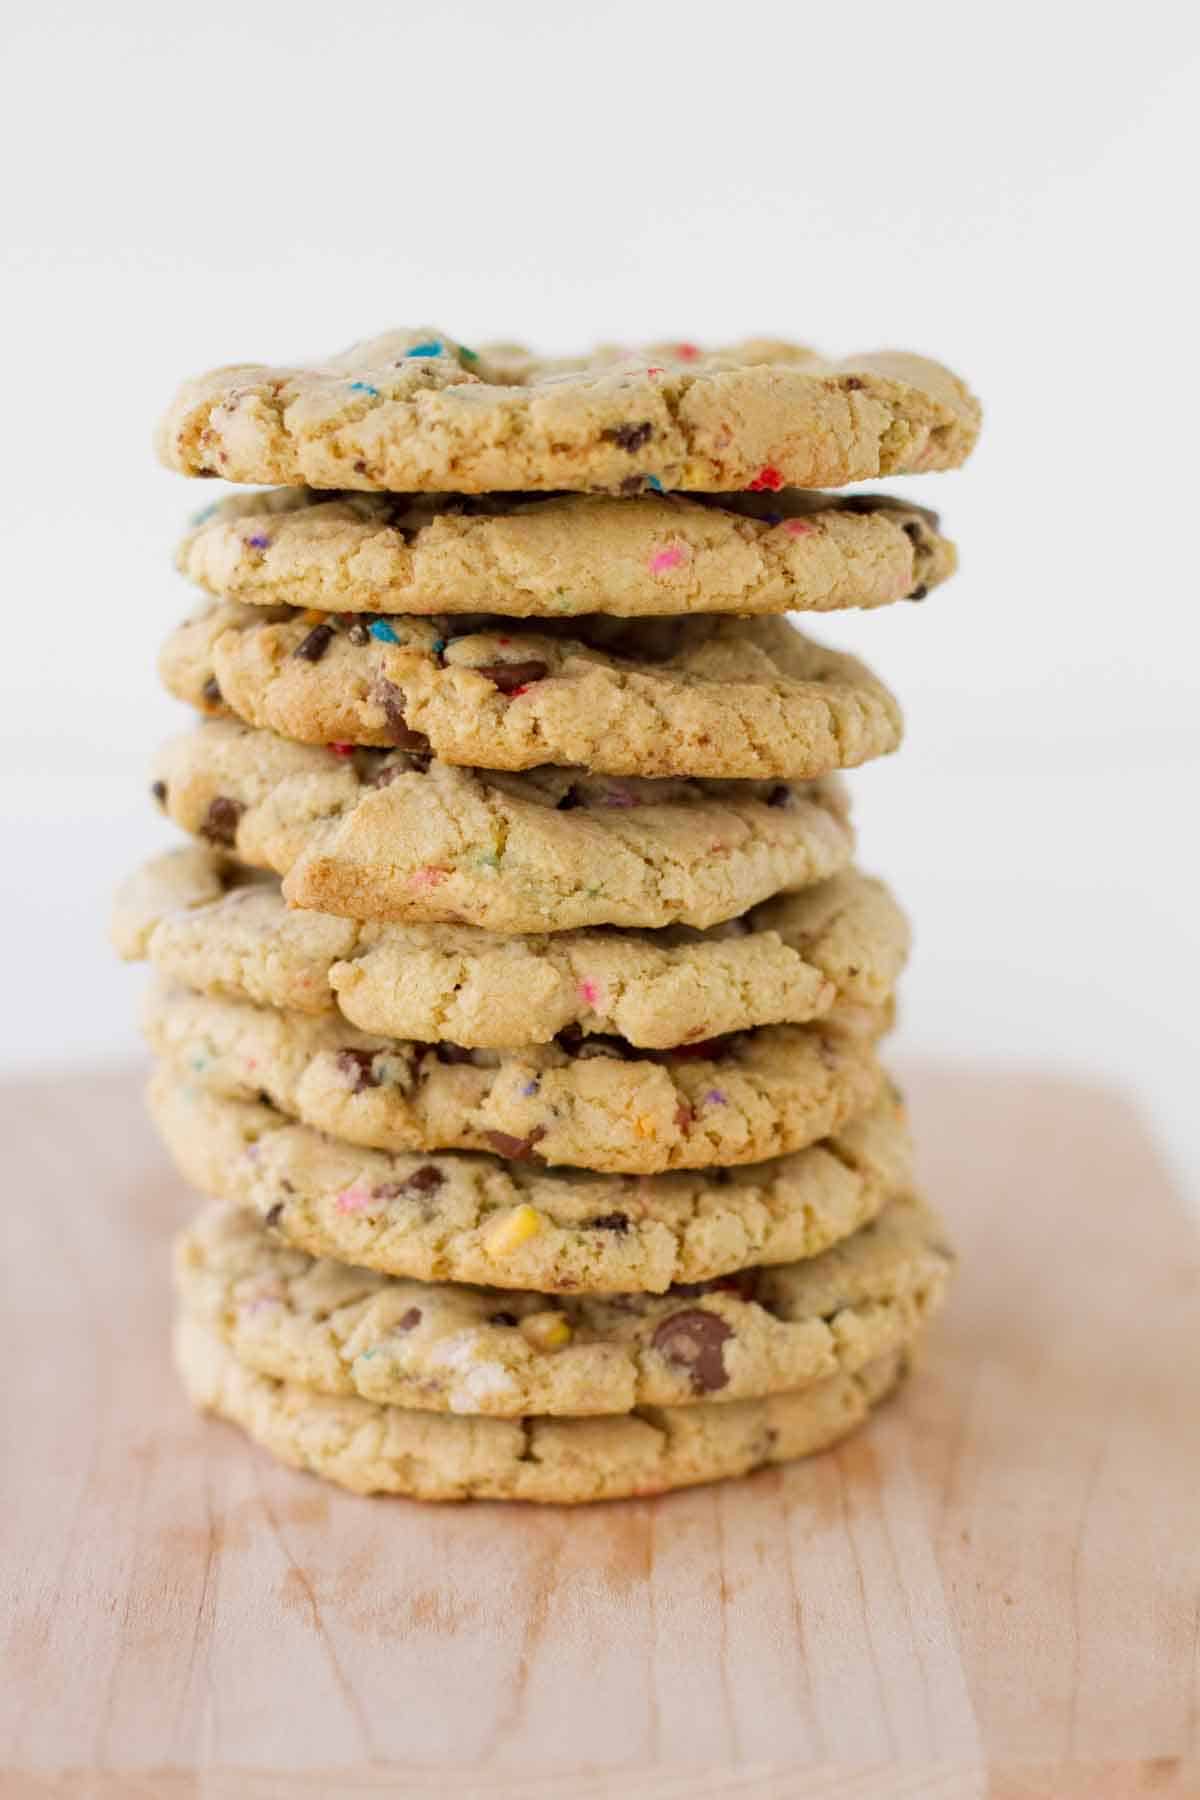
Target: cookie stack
516, 997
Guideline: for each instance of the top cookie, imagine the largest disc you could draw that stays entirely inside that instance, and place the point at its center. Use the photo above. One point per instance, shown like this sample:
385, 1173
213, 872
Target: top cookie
413, 411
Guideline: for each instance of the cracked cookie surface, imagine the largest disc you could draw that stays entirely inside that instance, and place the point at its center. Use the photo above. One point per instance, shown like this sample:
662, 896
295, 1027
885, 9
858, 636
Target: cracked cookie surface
390, 835
706, 697
224, 930
414, 411
436, 1456
504, 1353
467, 1218
565, 555
596, 1103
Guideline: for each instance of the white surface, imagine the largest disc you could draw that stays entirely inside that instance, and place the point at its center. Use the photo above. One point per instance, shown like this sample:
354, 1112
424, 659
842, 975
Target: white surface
1010, 190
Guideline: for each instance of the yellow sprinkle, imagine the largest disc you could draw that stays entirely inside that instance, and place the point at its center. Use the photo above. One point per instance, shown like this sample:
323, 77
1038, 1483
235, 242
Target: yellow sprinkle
644, 1125
514, 1229
546, 1330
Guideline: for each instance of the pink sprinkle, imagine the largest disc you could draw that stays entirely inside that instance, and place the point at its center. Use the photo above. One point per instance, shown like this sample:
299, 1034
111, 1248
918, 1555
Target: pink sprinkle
259, 1301
353, 1199
799, 528
686, 352
252, 1062
342, 749
666, 559
654, 371
427, 878
588, 992
618, 797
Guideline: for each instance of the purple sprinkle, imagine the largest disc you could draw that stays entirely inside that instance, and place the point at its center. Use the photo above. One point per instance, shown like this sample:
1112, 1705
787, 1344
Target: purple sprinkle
714, 1097
531, 1087
260, 541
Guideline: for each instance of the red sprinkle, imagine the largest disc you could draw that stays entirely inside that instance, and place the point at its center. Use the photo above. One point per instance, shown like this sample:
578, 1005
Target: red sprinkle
683, 1116
686, 352
768, 480
342, 749
799, 528
654, 371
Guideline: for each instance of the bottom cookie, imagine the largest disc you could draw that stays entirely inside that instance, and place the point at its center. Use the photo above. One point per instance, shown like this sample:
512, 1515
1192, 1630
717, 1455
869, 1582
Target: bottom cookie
429, 1456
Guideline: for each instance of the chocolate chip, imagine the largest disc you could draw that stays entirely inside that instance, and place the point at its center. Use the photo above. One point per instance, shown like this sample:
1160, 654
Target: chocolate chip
425, 1180
912, 532
569, 801
630, 437
359, 633
779, 795
407, 1320
858, 503
515, 1148
313, 647
159, 791
509, 676
359, 1066
693, 1341
502, 1318
274, 1215
919, 593
852, 381
392, 700
210, 693
613, 1221
221, 821
453, 1053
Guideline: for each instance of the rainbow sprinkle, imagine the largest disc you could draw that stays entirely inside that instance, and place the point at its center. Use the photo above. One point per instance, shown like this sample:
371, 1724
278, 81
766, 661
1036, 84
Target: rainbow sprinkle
434, 347
364, 387
382, 630
353, 1199
666, 559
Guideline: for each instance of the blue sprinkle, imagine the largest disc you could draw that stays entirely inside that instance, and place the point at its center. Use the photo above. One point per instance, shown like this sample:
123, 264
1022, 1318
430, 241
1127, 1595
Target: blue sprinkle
383, 631
652, 481
206, 512
439, 646
364, 387
434, 347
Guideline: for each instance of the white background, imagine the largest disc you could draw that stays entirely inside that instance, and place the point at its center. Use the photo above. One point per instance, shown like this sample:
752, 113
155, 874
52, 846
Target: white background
1009, 188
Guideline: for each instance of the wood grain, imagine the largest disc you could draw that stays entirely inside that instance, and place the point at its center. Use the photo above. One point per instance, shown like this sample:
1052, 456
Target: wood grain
994, 1591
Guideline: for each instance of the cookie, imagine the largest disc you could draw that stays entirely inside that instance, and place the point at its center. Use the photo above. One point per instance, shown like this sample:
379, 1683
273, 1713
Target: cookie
414, 412
595, 1103
565, 555
464, 1218
222, 929
707, 696
390, 835
502, 1354
374, 1449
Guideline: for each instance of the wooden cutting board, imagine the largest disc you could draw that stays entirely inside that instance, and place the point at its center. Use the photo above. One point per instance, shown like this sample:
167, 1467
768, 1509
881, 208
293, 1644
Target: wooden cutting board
993, 1591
